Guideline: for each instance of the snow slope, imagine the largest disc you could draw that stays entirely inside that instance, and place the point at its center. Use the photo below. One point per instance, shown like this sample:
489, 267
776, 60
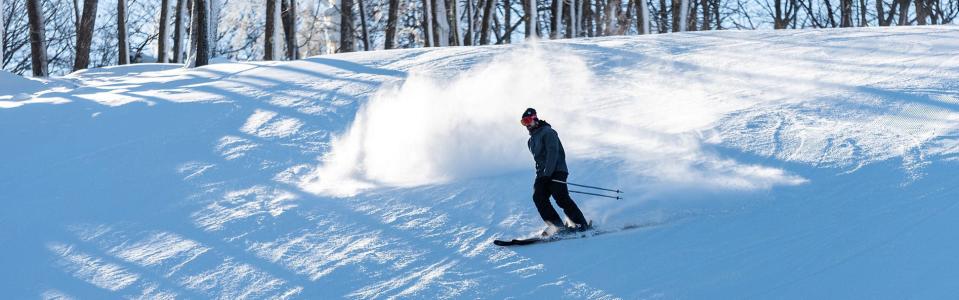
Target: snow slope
760, 164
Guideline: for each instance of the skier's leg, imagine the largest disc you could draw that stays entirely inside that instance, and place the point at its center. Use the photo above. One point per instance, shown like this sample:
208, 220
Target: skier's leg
541, 199
561, 194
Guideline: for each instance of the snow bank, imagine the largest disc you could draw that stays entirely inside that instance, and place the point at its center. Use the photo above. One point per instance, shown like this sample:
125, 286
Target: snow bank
14, 89
761, 164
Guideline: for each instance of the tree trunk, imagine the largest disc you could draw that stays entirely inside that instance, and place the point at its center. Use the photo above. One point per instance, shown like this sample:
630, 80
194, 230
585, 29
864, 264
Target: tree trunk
427, 23
719, 20
84, 35
557, 20
642, 16
612, 16
684, 14
289, 29
212, 18
675, 14
921, 12
179, 31
707, 14
845, 13
122, 56
484, 25
587, 18
201, 29
568, 20
162, 36
531, 18
455, 24
832, 18
598, 18
507, 39
272, 39
3, 4
935, 11
441, 18
366, 33
862, 13
663, 24
346, 26
795, 7
778, 15
391, 20
468, 37
880, 18
903, 12
38, 38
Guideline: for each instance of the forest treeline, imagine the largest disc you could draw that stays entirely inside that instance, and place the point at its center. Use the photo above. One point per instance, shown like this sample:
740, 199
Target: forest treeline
43, 37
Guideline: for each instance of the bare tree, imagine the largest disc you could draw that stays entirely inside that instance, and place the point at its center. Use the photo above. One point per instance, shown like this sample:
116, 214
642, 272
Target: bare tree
455, 24
707, 14
784, 13
123, 57
684, 15
271, 44
507, 18
845, 13
575, 16
441, 22
289, 29
38, 38
531, 18
642, 17
391, 21
880, 14
484, 27
612, 16
346, 26
862, 13
427, 23
201, 34
179, 30
922, 12
163, 34
468, 37
557, 21
366, 33
213, 19
903, 12
830, 14
85, 35
3, 31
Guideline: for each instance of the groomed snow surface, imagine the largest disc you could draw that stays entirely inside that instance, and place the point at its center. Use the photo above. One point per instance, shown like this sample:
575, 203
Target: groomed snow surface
755, 164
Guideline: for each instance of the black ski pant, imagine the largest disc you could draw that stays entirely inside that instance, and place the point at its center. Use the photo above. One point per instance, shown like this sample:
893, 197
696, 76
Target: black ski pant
545, 187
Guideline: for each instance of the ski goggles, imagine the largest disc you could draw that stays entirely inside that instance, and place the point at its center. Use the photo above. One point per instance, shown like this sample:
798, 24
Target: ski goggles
528, 120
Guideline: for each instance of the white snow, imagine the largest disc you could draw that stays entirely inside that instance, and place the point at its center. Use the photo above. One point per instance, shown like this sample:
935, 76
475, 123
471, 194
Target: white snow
755, 164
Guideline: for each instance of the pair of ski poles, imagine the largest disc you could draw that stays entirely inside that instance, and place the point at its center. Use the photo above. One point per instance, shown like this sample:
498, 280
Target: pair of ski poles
617, 197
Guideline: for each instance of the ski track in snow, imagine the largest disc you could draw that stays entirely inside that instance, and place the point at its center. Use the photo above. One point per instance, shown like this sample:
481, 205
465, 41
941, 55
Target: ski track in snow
253, 224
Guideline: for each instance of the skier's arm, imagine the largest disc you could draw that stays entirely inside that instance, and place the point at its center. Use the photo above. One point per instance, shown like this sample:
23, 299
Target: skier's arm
551, 142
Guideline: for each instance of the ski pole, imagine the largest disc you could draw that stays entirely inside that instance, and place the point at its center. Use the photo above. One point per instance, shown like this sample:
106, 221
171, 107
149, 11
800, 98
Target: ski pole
600, 195
586, 186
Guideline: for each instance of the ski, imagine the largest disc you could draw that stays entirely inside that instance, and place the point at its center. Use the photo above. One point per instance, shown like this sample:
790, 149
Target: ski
570, 236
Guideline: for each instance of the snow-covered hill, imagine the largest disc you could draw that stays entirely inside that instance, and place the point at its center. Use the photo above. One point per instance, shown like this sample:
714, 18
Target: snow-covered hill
760, 164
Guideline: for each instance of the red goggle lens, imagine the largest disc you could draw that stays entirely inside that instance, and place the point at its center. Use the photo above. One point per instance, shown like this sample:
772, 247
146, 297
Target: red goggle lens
526, 121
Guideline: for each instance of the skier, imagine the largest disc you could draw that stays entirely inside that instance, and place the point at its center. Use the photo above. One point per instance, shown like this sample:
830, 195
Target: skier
551, 165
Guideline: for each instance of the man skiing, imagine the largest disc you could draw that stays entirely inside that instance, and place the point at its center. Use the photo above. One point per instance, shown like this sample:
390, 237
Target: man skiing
550, 160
